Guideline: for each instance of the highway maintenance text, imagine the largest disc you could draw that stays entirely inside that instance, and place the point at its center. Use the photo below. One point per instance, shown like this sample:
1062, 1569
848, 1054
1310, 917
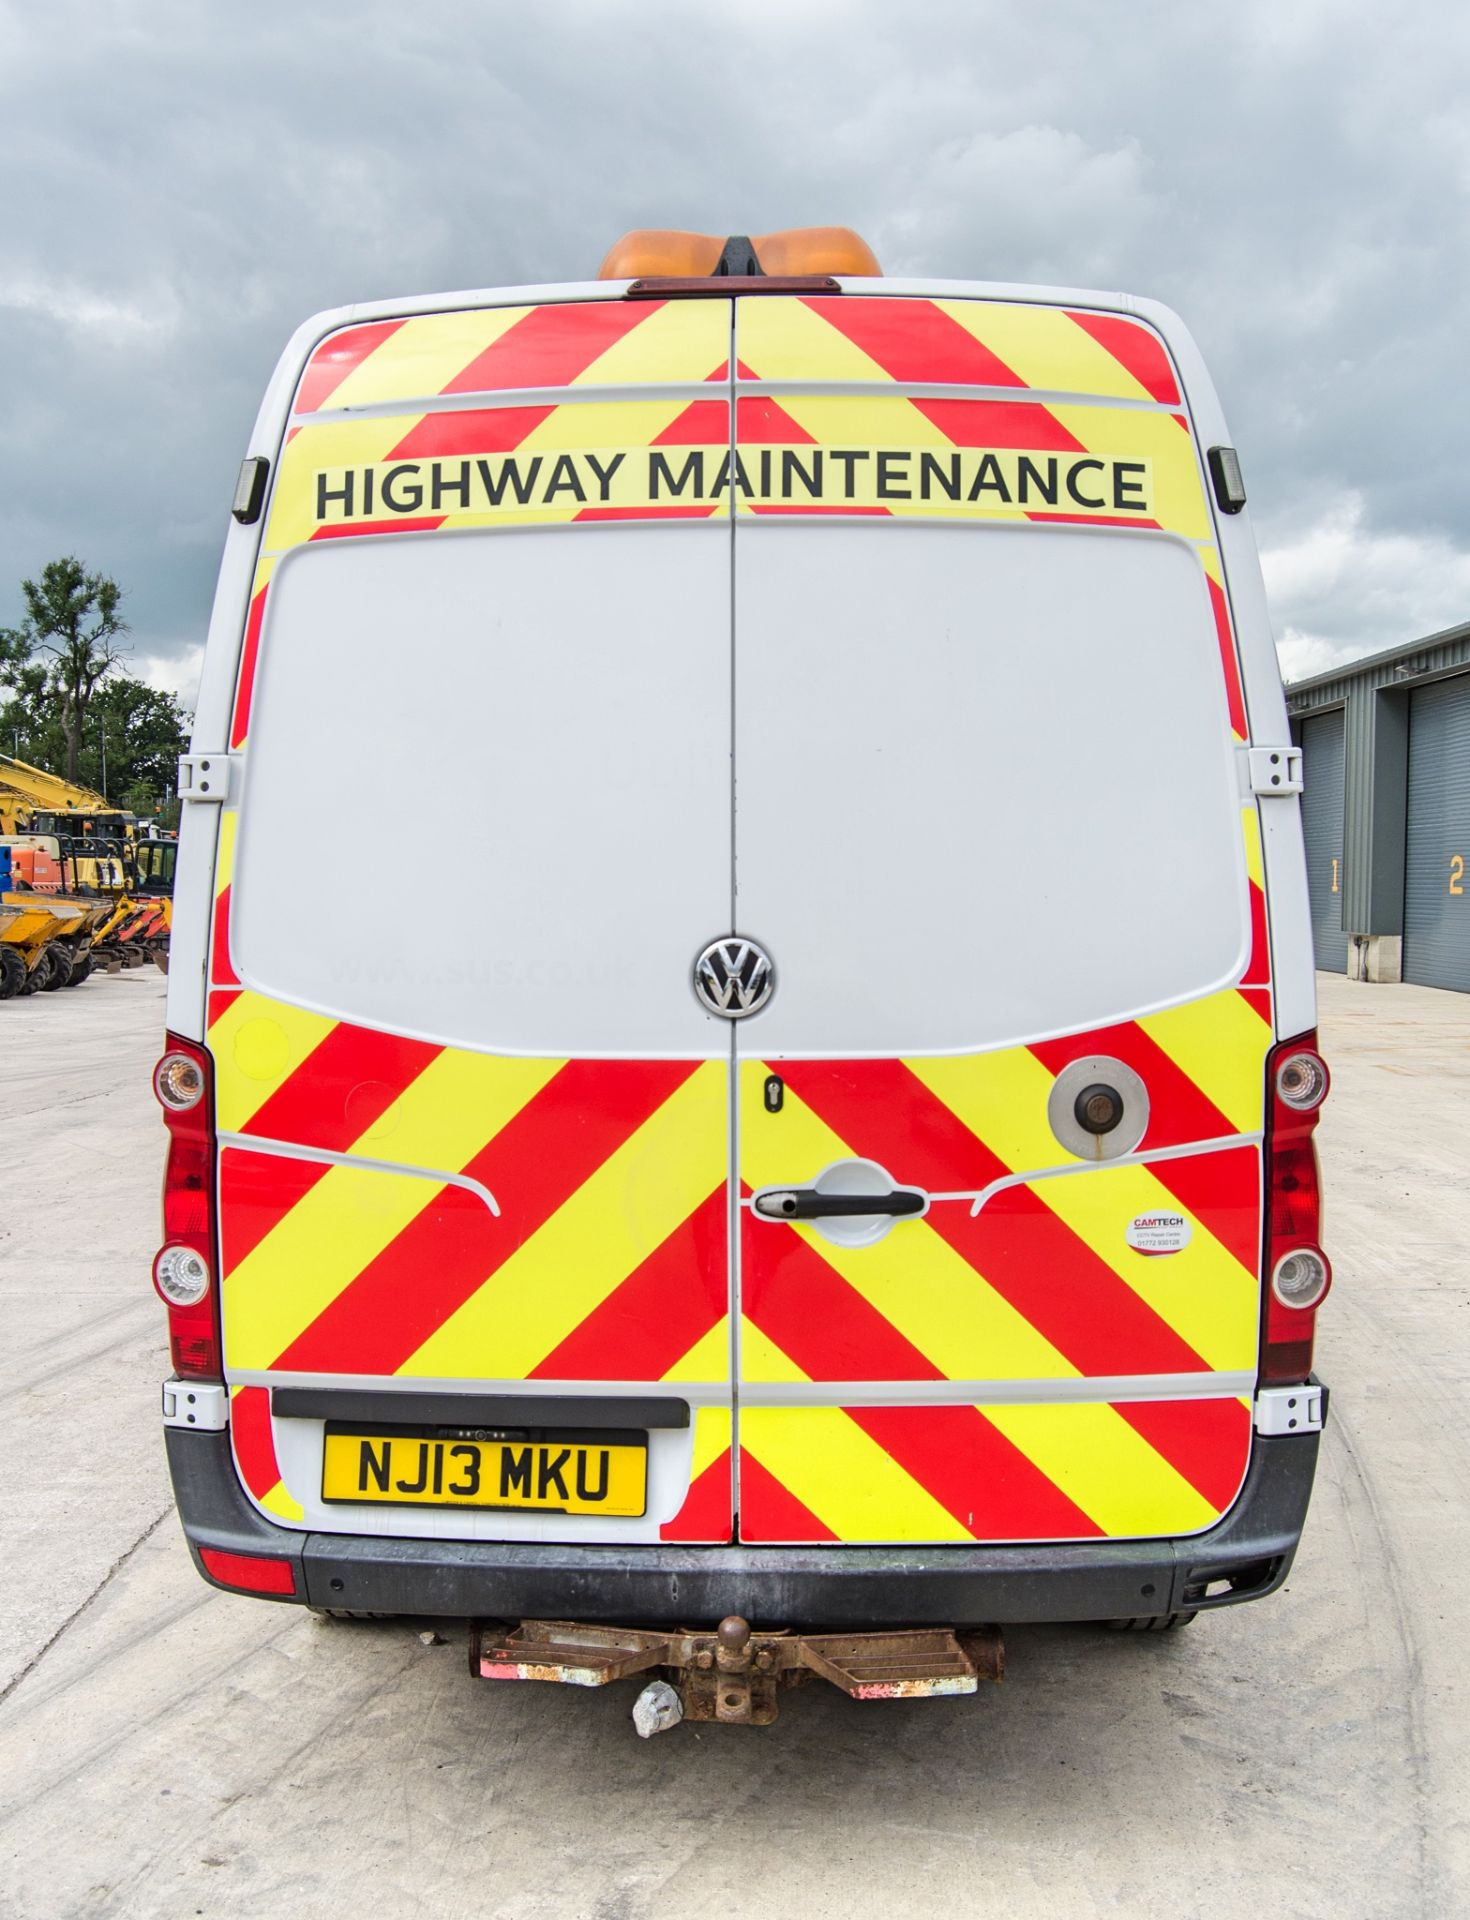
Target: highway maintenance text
934, 479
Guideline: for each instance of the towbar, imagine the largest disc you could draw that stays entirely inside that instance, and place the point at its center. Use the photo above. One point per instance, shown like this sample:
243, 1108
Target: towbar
736, 1675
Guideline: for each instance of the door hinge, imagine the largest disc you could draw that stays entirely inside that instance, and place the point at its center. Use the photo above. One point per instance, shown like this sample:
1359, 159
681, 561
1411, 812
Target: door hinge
203, 1404
1289, 1410
1268, 771
205, 777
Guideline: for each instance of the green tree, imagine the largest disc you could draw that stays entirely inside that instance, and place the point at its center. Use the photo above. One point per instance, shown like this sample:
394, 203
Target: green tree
74, 624
131, 747
143, 732
27, 728
14, 652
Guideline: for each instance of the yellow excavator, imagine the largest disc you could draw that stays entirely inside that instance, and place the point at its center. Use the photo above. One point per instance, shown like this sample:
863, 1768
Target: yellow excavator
70, 849
34, 802
53, 932
26, 934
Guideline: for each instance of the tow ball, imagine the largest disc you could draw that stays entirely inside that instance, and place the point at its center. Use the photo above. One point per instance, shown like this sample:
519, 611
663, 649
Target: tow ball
734, 1674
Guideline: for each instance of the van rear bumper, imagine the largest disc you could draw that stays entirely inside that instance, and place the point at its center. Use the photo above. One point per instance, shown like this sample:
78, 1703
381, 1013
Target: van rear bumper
1247, 1556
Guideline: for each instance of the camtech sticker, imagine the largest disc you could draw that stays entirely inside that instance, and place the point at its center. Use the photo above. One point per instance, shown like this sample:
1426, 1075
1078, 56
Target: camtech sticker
1157, 1233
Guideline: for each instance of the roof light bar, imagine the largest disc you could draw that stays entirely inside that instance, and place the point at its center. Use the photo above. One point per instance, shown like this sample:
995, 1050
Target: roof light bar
656, 253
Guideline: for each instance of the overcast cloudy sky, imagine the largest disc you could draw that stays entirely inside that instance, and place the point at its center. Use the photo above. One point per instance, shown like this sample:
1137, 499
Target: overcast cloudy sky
185, 181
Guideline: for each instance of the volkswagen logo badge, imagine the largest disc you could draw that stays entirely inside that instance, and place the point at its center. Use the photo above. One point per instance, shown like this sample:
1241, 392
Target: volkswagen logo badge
734, 978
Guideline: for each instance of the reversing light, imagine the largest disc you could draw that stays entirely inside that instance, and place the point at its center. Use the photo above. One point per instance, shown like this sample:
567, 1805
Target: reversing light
1301, 1278
181, 1276
178, 1082
1302, 1080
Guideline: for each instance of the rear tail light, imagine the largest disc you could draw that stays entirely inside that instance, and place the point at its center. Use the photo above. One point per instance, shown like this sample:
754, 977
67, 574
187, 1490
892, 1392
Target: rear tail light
178, 1082
1297, 1082
181, 1276
1301, 1079
249, 1572
184, 1271
1300, 1279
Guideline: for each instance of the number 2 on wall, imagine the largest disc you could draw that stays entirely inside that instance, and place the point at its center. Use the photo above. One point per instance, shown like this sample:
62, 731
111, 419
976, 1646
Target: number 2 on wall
1457, 872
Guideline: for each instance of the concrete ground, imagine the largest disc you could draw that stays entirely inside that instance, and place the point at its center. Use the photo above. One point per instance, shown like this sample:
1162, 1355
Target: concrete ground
165, 1749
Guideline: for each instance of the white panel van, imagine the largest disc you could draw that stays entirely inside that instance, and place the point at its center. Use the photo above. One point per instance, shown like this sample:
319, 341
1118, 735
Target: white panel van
741, 1011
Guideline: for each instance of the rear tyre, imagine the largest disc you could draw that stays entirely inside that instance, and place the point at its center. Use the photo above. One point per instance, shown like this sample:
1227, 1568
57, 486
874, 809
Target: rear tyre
57, 963
12, 973
1151, 1623
81, 966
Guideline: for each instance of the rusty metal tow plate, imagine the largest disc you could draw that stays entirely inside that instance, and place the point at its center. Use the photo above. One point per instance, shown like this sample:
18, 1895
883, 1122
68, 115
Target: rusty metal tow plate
562, 1650
735, 1674
917, 1665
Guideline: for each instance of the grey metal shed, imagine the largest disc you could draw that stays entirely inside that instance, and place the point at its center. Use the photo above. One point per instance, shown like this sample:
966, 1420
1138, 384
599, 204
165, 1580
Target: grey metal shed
1404, 717
1437, 836
1322, 799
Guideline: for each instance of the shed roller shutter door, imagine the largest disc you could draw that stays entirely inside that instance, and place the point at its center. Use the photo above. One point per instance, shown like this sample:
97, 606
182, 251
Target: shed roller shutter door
1322, 756
1436, 889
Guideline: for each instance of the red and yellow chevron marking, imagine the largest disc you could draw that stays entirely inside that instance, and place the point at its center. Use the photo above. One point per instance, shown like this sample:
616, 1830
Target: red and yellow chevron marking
383, 442
355, 1269
249, 652
1225, 633
1257, 973
1033, 449
606, 1260
417, 462
968, 459
583, 343
224, 982
582, 461
707, 1514
967, 343
1038, 1284
607, 1257
255, 1452
1055, 1471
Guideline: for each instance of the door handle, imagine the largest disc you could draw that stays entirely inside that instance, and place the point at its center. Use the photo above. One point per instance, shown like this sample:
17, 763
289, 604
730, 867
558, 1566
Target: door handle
805, 1203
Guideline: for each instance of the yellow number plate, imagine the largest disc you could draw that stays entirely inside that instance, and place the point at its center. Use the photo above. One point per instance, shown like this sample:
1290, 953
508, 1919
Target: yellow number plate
554, 1476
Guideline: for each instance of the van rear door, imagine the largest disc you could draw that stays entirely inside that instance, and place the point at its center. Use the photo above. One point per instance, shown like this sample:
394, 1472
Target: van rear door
473, 1124
475, 1129
989, 827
